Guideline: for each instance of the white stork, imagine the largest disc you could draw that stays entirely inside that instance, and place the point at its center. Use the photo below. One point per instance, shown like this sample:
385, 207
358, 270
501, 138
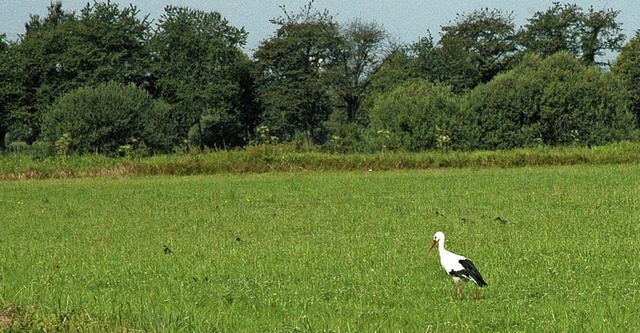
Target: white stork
459, 267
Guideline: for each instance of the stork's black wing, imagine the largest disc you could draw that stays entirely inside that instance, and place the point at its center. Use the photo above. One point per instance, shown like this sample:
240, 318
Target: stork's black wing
470, 272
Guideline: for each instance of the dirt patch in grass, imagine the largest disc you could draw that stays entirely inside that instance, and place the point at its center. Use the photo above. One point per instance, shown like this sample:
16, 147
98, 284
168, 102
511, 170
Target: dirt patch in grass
7, 316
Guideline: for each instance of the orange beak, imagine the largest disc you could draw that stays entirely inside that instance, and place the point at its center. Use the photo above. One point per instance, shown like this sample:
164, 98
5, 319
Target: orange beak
432, 245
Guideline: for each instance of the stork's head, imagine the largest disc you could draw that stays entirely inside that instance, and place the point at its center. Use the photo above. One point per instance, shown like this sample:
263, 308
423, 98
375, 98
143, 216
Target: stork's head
438, 237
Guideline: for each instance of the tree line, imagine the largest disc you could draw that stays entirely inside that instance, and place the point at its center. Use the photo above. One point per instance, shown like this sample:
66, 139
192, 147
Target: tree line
109, 80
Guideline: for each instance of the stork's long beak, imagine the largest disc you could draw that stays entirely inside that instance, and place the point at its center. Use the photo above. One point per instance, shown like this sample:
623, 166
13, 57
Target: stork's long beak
432, 245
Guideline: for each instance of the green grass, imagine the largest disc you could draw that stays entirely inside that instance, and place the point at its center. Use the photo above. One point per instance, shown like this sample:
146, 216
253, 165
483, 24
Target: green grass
323, 251
285, 157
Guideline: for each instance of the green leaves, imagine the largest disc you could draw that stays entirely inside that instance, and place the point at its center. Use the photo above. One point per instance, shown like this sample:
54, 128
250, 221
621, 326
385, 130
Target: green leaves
567, 27
475, 49
104, 118
295, 69
64, 51
321, 82
9, 88
627, 68
419, 116
200, 68
554, 101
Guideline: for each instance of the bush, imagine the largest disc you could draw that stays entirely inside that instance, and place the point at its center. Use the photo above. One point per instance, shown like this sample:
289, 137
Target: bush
627, 68
551, 101
419, 115
218, 130
104, 118
161, 128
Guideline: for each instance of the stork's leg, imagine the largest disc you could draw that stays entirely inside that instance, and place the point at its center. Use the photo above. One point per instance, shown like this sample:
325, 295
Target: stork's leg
458, 289
477, 294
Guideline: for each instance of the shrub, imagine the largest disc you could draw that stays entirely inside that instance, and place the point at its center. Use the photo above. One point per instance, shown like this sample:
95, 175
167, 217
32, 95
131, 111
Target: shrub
627, 68
552, 101
161, 128
104, 118
419, 115
219, 130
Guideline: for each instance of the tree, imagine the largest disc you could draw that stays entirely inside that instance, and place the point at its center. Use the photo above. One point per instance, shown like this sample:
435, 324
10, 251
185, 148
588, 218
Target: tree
64, 51
112, 45
364, 49
473, 50
9, 87
566, 27
627, 68
424, 60
552, 31
554, 101
363, 53
38, 59
199, 67
600, 32
397, 67
296, 67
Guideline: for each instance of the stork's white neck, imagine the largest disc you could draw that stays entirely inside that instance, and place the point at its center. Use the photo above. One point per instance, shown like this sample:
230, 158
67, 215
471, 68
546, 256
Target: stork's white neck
441, 244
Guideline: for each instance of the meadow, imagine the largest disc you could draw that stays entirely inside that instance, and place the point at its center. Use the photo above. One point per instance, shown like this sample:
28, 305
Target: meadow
42, 164
323, 251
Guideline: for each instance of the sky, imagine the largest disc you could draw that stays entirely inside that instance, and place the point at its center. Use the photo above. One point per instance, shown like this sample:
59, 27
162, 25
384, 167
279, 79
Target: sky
405, 20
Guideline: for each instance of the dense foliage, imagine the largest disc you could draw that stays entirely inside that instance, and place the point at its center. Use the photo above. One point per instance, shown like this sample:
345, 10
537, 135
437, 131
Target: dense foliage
198, 67
419, 115
295, 69
485, 83
627, 69
107, 118
566, 27
554, 101
65, 51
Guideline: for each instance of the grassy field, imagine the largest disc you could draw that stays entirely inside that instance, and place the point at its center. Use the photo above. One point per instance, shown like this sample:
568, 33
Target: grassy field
323, 251
283, 157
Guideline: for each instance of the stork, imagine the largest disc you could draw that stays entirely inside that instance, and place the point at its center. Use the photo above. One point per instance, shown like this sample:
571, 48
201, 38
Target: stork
458, 267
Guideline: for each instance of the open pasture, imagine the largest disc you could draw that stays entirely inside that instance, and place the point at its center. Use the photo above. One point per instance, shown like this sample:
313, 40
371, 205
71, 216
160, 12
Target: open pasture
323, 251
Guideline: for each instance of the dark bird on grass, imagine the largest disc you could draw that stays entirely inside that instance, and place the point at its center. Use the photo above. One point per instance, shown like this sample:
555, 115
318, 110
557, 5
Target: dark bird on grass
166, 249
501, 220
458, 267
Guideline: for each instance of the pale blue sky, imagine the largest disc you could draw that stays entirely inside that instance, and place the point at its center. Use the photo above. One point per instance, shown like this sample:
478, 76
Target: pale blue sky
406, 20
